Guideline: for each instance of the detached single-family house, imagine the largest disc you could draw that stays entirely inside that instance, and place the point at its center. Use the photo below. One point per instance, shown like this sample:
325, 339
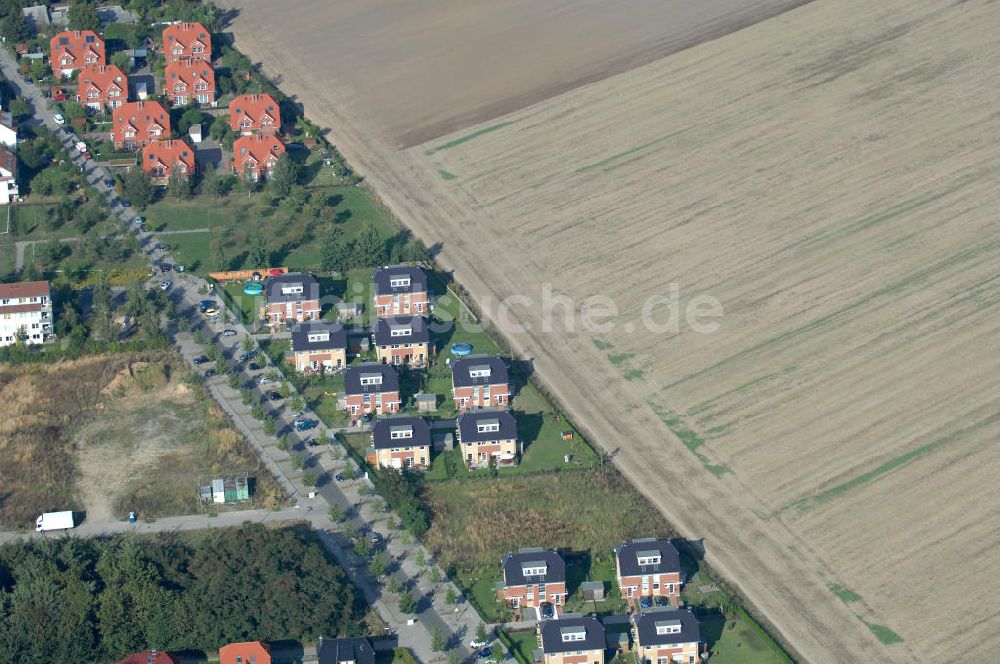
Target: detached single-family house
8, 176
161, 159
187, 81
247, 652
665, 635
150, 657
402, 340
254, 157
532, 577
399, 442
572, 640
353, 650
138, 123
292, 297
102, 86
480, 381
371, 387
8, 130
249, 114
319, 346
187, 41
401, 290
648, 568
74, 49
487, 435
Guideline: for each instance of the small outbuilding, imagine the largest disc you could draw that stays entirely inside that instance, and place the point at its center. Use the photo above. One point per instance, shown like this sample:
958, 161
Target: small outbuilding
592, 590
425, 402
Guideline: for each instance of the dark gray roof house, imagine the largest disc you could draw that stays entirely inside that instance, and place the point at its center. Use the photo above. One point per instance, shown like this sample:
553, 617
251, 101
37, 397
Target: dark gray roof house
318, 335
399, 279
401, 330
487, 424
371, 378
292, 287
572, 634
661, 626
478, 370
354, 650
402, 431
533, 565
662, 551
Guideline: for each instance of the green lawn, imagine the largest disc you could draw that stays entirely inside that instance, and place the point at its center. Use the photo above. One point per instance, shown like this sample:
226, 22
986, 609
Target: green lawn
241, 304
521, 644
190, 250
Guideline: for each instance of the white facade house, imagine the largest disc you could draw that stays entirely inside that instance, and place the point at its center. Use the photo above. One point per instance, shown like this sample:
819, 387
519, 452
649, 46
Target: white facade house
8, 176
25, 308
8, 131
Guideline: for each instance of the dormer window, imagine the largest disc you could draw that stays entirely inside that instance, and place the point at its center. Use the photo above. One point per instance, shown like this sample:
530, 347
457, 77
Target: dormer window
668, 627
292, 289
534, 569
371, 379
570, 634
399, 282
479, 372
487, 426
400, 332
400, 433
319, 336
648, 557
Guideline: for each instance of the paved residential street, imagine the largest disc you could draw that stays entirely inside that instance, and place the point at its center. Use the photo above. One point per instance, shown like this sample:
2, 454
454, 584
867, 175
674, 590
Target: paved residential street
458, 622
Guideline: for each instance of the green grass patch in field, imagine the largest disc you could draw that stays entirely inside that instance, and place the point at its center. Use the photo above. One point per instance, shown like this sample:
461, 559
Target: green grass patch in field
602, 345
445, 175
618, 358
469, 137
883, 633
846, 595
691, 440
633, 374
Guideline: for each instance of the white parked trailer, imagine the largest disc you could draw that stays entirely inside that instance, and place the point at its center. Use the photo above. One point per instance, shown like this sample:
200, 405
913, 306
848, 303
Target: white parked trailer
54, 521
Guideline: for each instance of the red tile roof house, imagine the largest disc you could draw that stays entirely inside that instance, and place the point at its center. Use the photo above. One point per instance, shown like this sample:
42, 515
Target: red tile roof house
319, 346
488, 436
292, 297
663, 634
572, 640
161, 159
188, 81
371, 387
255, 157
400, 442
102, 86
25, 305
150, 657
480, 381
187, 41
247, 652
402, 340
531, 577
254, 113
75, 49
648, 568
138, 123
401, 290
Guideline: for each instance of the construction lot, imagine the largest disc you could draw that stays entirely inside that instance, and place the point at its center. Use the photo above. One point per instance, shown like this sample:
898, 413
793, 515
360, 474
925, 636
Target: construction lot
829, 177
110, 434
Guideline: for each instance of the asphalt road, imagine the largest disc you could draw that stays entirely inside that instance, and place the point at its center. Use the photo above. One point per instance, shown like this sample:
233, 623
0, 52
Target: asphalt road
458, 622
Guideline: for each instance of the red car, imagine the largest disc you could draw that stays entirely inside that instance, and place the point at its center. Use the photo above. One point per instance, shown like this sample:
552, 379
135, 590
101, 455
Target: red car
86, 155
59, 97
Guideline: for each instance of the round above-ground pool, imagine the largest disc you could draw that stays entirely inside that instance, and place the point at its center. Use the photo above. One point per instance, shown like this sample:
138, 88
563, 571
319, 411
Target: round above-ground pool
461, 348
253, 289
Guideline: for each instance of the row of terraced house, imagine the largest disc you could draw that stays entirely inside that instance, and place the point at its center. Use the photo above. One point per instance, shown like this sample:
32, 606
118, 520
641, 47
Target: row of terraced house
349, 650
188, 79
649, 577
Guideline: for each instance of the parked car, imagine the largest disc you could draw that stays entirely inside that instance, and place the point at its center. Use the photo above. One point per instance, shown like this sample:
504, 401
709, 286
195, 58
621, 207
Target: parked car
476, 644
29, 80
209, 373
253, 366
660, 601
273, 396
339, 477
59, 96
109, 183
303, 425
160, 246
548, 611
59, 119
164, 285
205, 304
86, 155
80, 146
165, 267
249, 355
229, 333
138, 219
263, 380
125, 203
645, 602
179, 267
374, 537
201, 359
211, 311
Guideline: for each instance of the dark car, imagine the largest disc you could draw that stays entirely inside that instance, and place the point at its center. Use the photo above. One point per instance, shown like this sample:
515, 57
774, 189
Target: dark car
339, 477
253, 366
249, 355
205, 304
274, 396
109, 183
645, 602
166, 267
126, 204
660, 601
548, 611
304, 425
374, 537
209, 373
201, 359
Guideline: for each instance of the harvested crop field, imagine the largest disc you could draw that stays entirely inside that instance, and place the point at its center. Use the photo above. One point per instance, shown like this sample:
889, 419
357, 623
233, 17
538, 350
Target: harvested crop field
829, 175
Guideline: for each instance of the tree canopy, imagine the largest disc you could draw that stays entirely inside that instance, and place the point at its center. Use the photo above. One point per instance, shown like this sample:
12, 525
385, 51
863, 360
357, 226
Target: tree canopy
101, 599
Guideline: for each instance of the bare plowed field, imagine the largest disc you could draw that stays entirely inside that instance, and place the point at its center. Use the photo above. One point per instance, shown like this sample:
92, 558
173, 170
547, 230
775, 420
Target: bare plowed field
830, 176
